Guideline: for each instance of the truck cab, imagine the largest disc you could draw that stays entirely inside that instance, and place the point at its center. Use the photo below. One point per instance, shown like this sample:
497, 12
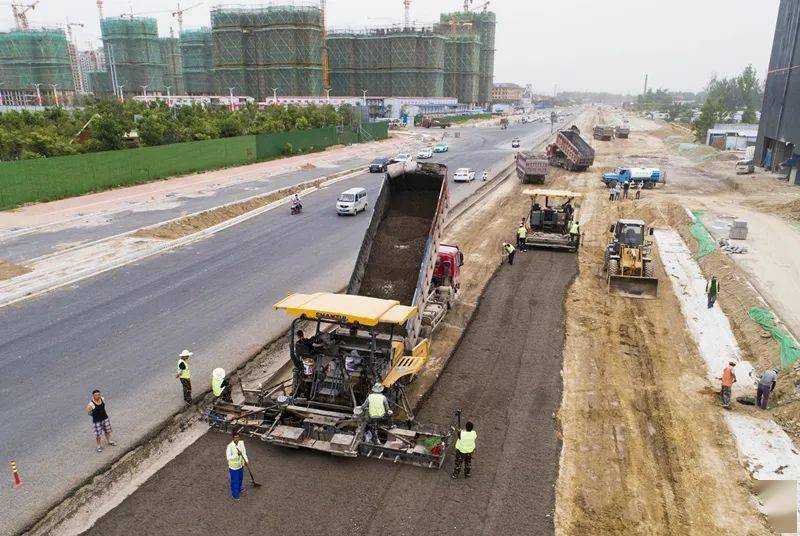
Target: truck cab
447, 272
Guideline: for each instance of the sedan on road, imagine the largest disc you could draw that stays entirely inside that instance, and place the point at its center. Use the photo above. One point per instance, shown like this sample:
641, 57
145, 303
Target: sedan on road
379, 164
515, 143
440, 148
402, 157
464, 175
427, 152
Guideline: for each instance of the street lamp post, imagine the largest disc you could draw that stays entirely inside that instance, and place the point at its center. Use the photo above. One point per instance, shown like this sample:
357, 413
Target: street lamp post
121, 94
328, 95
55, 92
38, 94
1, 94
275, 95
169, 103
230, 92
144, 91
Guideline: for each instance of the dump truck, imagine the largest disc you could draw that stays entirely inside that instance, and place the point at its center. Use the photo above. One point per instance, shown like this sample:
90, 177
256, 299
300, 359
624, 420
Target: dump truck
570, 151
649, 177
603, 132
531, 167
622, 131
550, 219
436, 122
366, 336
630, 268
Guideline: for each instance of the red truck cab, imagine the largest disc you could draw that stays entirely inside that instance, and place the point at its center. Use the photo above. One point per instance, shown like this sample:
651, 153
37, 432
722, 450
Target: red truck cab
447, 271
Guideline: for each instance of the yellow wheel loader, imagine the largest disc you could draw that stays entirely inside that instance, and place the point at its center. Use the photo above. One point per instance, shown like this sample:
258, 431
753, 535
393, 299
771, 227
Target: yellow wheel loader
630, 269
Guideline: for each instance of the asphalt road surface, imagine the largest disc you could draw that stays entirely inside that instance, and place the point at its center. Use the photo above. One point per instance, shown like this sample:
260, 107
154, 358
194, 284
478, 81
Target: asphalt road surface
120, 331
505, 376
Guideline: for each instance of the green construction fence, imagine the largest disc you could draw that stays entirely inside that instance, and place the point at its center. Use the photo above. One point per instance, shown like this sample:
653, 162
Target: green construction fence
46, 179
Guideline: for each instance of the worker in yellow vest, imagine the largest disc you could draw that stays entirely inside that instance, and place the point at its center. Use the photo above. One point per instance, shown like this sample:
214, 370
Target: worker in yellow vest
465, 447
220, 385
510, 251
377, 405
237, 461
184, 375
575, 233
522, 234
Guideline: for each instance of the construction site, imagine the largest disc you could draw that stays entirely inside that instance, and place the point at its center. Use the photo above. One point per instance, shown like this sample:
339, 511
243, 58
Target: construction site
260, 51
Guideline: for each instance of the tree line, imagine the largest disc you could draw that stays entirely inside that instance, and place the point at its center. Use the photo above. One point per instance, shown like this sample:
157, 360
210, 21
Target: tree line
106, 125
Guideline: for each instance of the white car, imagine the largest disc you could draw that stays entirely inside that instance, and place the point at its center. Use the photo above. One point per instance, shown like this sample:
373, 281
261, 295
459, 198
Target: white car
427, 152
403, 157
463, 175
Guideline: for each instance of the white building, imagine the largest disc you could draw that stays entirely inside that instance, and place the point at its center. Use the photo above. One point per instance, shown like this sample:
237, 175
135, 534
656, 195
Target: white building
732, 137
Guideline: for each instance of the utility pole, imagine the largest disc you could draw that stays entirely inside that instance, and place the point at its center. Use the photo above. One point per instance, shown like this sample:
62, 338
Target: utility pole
230, 92
644, 94
38, 94
55, 92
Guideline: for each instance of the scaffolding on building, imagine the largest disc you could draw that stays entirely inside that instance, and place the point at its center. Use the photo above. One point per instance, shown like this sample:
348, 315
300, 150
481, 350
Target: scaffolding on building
173, 72
196, 47
395, 61
31, 57
256, 49
481, 24
133, 50
462, 68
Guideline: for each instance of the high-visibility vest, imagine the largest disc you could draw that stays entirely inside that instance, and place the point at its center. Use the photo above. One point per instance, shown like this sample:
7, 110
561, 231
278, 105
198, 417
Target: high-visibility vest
465, 443
575, 229
185, 374
236, 454
216, 385
712, 287
376, 407
522, 232
509, 249
728, 376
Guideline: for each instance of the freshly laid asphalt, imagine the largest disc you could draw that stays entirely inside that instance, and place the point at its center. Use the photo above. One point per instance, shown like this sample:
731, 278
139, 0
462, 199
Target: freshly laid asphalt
120, 331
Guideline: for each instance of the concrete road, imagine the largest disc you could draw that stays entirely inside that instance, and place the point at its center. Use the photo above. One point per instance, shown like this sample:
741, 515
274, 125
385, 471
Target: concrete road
505, 376
120, 331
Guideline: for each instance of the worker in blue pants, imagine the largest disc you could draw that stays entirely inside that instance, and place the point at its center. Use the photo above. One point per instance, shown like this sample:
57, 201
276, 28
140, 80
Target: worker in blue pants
237, 460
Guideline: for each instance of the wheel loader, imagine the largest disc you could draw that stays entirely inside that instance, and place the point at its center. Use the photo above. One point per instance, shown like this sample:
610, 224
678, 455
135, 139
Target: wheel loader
630, 269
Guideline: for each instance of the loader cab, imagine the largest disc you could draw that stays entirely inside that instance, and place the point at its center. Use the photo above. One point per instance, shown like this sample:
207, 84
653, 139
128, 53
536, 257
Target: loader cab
630, 233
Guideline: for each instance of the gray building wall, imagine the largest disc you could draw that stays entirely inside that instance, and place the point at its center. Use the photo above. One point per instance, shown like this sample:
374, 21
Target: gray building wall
779, 128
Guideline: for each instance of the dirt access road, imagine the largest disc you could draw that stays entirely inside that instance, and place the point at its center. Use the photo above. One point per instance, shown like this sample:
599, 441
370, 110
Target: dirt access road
645, 447
505, 376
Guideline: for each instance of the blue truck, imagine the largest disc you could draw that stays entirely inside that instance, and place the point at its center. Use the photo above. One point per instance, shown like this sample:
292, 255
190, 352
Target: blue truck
649, 177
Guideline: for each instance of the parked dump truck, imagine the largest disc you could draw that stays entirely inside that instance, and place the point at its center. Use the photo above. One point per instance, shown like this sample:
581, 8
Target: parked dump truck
570, 151
551, 216
630, 268
623, 130
366, 337
531, 167
603, 132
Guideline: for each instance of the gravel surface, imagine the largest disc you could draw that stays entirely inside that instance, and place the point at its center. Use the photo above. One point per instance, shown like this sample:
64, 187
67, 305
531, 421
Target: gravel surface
505, 376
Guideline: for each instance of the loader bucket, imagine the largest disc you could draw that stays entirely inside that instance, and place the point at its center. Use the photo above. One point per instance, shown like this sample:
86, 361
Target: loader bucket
633, 286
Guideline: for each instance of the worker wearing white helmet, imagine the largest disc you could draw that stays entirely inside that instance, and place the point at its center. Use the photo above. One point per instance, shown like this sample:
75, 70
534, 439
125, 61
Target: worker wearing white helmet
377, 405
220, 385
185, 375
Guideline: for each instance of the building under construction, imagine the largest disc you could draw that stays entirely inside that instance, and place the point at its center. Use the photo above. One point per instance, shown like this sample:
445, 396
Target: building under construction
173, 70
134, 57
261, 49
482, 24
35, 57
197, 62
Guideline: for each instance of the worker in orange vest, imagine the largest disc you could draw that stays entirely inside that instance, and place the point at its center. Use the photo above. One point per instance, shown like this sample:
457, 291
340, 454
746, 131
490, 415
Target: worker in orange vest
728, 379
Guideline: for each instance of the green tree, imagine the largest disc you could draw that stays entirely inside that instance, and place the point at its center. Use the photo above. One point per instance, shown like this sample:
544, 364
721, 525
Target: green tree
713, 111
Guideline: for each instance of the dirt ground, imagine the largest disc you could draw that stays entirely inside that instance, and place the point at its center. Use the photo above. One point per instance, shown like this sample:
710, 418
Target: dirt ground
645, 448
504, 376
9, 270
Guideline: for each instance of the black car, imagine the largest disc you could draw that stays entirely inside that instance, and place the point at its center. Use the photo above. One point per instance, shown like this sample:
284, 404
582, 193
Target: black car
379, 164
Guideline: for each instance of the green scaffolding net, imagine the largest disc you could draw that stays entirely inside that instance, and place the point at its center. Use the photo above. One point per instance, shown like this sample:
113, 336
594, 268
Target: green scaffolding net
789, 350
705, 241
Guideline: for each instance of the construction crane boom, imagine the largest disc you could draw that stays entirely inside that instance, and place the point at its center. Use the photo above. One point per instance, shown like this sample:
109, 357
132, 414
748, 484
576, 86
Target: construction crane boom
20, 11
178, 14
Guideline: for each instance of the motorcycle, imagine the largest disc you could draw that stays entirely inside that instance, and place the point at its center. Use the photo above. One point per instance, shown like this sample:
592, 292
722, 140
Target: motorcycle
296, 208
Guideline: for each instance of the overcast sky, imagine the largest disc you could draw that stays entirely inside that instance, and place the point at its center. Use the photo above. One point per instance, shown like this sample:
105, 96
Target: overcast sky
596, 45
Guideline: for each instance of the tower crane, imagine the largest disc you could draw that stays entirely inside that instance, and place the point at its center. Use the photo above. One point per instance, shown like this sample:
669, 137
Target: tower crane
407, 12
178, 14
20, 11
100, 8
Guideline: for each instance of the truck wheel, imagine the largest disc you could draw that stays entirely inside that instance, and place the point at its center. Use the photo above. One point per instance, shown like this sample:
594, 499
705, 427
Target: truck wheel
613, 267
649, 269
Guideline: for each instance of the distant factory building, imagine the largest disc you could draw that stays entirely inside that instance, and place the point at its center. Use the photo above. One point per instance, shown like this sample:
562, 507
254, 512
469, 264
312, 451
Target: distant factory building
779, 128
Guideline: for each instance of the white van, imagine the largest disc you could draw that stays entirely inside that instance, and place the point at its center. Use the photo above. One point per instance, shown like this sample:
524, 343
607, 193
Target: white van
352, 201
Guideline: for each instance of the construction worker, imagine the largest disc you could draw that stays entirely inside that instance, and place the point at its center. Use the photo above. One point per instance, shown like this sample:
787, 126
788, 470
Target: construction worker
510, 251
237, 460
766, 385
220, 385
728, 379
625, 188
639, 189
575, 233
465, 446
184, 375
377, 405
522, 233
712, 289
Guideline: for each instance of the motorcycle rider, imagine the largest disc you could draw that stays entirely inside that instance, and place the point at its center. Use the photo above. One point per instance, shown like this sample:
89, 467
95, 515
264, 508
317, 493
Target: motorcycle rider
485, 175
295, 203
